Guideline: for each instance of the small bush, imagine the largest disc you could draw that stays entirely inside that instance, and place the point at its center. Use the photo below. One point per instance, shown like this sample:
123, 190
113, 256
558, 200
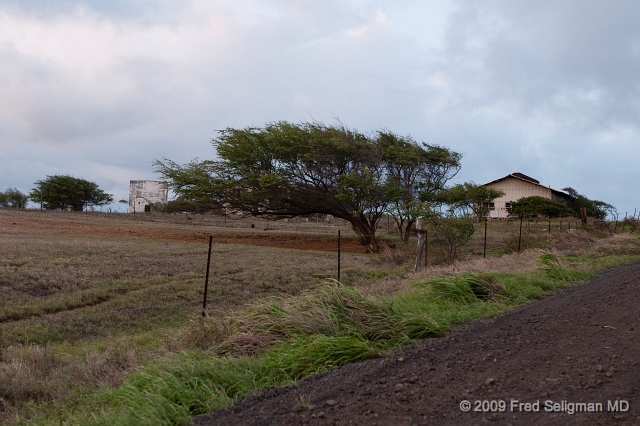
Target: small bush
450, 234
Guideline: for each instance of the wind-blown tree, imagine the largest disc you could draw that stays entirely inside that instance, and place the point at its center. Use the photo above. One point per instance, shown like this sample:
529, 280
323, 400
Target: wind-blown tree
13, 198
419, 171
595, 208
68, 192
286, 170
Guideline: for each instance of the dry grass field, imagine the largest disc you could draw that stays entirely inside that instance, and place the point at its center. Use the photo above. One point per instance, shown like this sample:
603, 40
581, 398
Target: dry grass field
87, 297
68, 277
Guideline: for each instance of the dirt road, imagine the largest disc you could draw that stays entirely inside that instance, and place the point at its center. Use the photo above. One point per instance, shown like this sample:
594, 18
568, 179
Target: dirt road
557, 357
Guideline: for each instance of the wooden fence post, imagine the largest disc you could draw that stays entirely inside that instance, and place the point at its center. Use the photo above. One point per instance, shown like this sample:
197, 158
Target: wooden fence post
484, 250
421, 238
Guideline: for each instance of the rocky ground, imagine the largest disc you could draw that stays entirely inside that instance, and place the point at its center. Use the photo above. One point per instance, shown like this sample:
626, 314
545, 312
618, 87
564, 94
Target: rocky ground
547, 363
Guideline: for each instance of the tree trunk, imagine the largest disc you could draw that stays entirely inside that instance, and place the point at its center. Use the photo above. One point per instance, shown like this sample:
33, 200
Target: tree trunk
400, 225
366, 234
407, 230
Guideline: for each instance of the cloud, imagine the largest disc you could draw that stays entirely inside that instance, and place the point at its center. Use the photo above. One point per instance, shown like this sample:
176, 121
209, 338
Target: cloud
101, 88
378, 21
115, 9
573, 61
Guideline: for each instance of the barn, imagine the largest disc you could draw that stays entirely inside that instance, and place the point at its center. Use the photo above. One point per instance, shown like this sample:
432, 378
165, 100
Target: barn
147, 192
516, 186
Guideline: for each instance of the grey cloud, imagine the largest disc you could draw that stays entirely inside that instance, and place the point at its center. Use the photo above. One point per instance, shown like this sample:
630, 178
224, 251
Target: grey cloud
119, 9
516, 86
574, 60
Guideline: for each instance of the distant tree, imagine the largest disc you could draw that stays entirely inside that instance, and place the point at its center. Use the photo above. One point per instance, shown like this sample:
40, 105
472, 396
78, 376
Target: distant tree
538, 206
68, 192
470, 199
286, 170
12, 197
595, 208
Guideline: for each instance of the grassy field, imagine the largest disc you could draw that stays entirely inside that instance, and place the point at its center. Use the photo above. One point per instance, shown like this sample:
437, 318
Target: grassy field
86, 300
74, 288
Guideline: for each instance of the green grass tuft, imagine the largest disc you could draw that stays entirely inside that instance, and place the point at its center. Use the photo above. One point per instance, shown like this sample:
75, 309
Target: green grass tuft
304, 355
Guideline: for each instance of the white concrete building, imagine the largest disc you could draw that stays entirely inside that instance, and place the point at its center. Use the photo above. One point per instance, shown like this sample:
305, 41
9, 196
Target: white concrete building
146, 192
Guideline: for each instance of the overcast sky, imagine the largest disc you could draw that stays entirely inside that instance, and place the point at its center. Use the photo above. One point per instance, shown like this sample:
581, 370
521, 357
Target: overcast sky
98, 89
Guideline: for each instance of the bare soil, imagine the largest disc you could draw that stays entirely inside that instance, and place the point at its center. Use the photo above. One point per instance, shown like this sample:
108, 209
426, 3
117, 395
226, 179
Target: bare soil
35, 222
581, 345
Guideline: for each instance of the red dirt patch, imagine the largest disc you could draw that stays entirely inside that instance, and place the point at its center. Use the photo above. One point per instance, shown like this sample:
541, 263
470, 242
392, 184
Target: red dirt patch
177, 233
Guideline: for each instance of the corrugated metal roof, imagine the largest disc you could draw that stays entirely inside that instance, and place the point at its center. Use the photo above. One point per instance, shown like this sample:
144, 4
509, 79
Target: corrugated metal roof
525, 178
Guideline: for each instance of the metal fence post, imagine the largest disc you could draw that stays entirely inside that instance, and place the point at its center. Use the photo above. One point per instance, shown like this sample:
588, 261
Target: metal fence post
338, 255
206, 280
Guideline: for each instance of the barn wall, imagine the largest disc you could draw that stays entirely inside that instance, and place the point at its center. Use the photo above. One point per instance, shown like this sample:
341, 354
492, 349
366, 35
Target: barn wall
143, 192
514, 189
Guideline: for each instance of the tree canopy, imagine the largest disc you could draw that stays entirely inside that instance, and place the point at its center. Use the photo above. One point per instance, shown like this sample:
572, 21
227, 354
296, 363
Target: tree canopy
539, 206
419, 171
68, 192
14, 198
595, 208
471, 199
286, 170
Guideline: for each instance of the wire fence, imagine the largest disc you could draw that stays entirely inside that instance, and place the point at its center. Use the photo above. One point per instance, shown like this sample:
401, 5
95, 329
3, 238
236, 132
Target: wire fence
490, 238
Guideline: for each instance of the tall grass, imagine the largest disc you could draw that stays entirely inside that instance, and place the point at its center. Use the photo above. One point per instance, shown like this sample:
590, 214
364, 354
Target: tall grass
296, 336
77, 318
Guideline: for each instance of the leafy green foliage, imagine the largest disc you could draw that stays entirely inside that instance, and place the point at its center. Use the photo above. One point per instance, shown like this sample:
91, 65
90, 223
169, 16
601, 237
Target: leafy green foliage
13, 198
287, 170
539, 206
179, 205
420, 172
595, 208
196, 183
62, 192
470, 196
449, 232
